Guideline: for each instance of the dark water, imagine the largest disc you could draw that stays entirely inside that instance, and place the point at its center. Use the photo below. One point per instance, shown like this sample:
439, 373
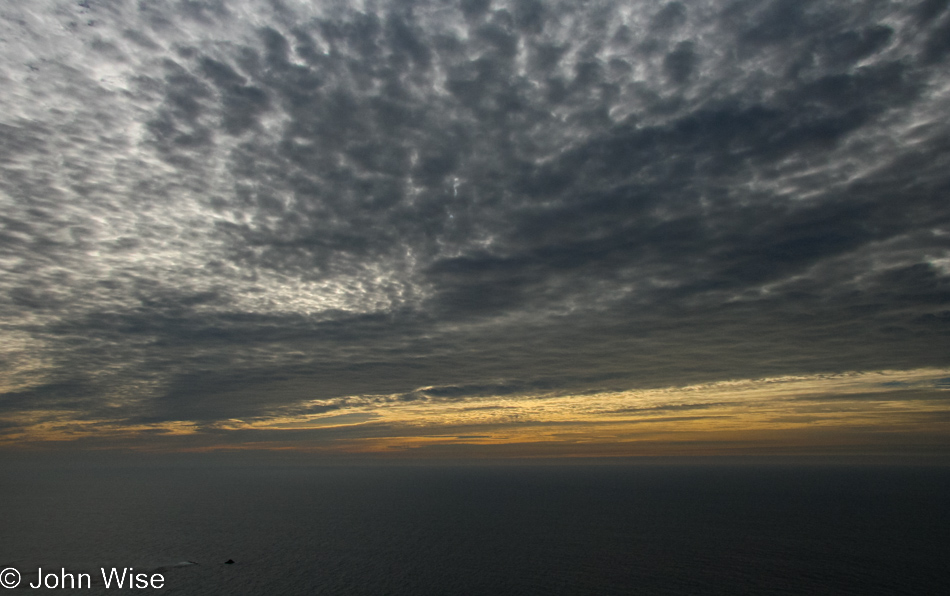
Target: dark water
487, 530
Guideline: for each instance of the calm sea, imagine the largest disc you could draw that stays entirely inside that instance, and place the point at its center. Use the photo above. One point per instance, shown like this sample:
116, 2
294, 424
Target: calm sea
493, 530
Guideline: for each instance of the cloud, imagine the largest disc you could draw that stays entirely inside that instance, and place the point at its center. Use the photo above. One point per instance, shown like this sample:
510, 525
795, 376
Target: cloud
818, 412
218, 210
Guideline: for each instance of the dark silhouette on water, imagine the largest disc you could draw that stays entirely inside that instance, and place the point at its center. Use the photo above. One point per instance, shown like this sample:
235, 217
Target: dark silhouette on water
229, 562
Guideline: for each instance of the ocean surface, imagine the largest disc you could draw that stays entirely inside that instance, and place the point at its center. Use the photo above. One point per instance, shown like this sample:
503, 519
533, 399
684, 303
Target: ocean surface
484, 529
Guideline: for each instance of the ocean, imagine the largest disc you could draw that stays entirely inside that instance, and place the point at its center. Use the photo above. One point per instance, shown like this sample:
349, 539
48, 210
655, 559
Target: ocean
483, 529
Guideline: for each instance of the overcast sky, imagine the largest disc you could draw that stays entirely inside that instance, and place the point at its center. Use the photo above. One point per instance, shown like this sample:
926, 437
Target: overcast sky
253, 223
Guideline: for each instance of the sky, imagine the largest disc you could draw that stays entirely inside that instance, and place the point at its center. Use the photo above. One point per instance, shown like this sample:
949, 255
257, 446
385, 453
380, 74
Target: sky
476, 227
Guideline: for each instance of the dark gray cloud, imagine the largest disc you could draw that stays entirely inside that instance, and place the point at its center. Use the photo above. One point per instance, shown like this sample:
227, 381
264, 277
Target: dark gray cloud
214, 209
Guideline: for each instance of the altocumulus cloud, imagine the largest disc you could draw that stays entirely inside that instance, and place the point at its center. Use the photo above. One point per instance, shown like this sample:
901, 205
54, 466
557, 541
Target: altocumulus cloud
217, 210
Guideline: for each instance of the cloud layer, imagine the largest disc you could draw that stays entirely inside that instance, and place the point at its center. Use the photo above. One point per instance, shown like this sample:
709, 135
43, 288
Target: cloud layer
220, 210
